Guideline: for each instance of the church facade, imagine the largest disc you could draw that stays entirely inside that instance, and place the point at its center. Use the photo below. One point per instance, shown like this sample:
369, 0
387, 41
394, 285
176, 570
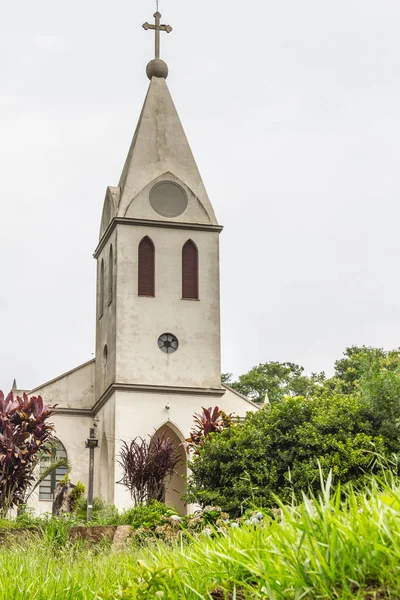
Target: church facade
158, 310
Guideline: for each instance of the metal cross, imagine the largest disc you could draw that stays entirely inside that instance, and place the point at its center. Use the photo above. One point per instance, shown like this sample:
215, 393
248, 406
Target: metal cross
157, 28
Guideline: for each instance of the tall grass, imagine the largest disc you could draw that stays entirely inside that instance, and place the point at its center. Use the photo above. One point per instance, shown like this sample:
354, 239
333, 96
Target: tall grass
336, 546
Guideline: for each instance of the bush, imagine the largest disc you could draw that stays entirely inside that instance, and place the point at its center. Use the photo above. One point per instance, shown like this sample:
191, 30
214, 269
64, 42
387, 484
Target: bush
147, 515
277, 451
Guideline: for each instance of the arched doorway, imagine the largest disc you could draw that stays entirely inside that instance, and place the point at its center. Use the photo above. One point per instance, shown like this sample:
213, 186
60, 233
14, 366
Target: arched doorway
175, 486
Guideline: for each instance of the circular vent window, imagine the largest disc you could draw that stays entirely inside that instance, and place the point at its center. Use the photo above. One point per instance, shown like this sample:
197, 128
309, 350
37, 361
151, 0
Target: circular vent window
168, 199
168, 343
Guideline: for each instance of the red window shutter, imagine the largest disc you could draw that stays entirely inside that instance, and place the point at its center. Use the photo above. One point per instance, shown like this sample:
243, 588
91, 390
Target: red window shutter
190, 271
146, 268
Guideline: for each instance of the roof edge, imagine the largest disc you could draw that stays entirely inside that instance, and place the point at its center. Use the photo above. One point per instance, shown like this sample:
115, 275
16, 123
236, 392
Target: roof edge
62, 376
256, 405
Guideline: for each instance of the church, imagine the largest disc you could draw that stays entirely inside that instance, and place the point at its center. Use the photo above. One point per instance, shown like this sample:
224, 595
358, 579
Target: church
158, 344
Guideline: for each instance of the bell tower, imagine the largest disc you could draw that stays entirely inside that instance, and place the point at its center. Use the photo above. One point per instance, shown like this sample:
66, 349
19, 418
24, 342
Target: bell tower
158, 297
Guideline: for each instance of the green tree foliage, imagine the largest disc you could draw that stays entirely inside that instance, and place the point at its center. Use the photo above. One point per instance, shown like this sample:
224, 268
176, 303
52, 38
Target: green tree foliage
277, 450
356, 365
274, 381
341, 423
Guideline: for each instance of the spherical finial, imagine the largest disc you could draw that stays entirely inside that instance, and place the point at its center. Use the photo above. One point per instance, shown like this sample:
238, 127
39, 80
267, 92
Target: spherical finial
157, 68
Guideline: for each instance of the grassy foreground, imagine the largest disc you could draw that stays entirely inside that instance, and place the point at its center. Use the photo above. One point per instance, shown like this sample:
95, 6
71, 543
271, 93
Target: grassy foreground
325, 548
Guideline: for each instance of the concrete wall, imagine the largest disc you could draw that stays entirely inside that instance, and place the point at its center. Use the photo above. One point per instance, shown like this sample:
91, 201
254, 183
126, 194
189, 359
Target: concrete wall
142, 414
106, 324
104, 460
74, 389
140, 320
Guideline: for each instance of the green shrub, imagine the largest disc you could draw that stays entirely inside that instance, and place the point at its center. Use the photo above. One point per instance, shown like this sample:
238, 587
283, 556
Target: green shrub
76, 494
147, 515
278, 451
102, 513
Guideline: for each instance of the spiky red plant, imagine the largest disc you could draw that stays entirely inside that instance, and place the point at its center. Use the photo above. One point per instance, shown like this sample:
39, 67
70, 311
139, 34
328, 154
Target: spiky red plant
145, 466
24, 432
211, 420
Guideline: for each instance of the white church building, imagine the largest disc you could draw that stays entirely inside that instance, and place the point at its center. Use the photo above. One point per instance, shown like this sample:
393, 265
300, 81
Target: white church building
158, 310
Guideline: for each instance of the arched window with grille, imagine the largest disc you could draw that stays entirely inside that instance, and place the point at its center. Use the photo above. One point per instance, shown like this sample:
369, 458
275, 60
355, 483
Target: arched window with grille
48, 485
111, 276
101, 290
146, 268
190, 271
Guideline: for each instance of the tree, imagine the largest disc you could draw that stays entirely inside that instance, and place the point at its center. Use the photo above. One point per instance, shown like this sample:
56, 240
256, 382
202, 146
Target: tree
24, 432
356, 365
274, 380
145, 466
278, 451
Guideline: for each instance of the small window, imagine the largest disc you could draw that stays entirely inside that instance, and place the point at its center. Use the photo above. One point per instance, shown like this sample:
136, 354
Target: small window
111, 276
101, 290
48, 485
190, 274
146, 260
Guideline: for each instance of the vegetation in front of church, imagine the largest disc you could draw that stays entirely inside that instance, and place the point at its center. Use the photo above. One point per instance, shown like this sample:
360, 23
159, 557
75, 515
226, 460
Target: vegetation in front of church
145, 466
337, 544
24, 432
344, 423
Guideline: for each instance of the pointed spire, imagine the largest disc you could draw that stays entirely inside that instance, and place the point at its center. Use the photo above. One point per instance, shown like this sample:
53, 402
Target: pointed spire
160, 146
14, 385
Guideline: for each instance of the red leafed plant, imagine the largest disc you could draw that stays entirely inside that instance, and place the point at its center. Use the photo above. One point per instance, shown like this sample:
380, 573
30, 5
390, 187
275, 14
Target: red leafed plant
23, 435
146, 465
211, 420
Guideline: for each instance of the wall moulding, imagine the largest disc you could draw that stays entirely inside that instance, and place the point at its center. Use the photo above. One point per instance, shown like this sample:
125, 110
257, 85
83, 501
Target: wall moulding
149, 223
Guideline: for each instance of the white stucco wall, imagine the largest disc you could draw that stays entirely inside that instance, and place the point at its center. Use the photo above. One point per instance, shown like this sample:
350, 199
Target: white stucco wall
74, 389
140, 320
142, 414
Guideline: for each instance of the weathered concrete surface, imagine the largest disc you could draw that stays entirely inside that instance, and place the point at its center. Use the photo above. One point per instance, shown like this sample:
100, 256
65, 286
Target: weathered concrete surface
62, 504
121, 535
117, 535
94, 534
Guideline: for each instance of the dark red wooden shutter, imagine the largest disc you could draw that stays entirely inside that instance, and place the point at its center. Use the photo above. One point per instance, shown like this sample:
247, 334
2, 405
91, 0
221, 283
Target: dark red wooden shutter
146, 268
190, 271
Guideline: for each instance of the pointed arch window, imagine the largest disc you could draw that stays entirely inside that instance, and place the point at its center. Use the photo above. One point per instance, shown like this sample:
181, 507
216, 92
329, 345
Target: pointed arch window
146, 261
190, 271
111, 276
101, 290
48, 484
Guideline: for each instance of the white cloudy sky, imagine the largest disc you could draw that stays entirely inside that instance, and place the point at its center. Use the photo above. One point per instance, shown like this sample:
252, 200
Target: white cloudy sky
292, 111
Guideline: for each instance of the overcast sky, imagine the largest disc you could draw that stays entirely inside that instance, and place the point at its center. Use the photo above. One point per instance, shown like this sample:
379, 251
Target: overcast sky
292, 112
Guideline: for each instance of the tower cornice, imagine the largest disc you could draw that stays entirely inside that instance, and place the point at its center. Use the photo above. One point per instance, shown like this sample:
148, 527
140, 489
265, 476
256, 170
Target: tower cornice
150, 223
152, 389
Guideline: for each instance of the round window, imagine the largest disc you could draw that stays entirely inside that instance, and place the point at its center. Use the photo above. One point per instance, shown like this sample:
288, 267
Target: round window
168, 199
168, 343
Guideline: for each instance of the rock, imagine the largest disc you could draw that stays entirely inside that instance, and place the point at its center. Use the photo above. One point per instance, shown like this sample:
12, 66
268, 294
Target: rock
62, 503
94, 534
121, 535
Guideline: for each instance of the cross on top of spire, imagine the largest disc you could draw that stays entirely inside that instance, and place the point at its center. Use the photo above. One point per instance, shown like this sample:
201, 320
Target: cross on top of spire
157, 28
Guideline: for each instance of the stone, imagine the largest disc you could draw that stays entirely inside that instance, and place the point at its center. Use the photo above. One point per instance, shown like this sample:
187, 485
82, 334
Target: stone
157, 68
121, 535
62, 499
94, 534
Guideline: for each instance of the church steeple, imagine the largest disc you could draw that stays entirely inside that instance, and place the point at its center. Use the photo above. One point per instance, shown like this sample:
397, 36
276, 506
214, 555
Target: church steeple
158, 257
159, 152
